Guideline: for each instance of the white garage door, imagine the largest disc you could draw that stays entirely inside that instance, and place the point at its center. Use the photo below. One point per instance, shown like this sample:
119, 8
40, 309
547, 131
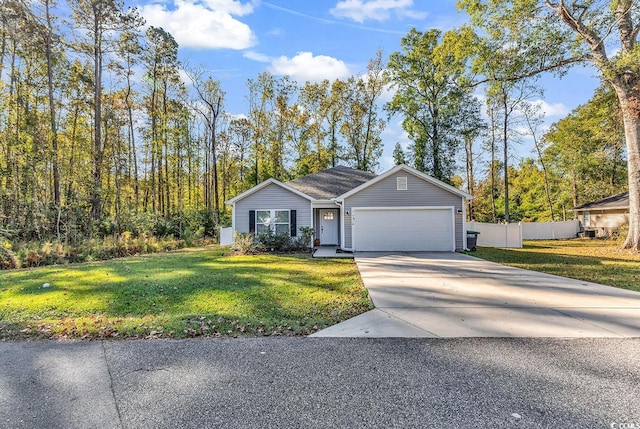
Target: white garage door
403, 229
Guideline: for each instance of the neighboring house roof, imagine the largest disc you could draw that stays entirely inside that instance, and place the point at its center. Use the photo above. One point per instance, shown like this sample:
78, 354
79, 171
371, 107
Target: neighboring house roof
615, 202
265, 184
330, 183
410, 170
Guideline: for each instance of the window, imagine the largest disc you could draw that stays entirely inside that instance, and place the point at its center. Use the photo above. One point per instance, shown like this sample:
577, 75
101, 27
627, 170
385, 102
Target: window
263, 221
281, 221
277, 221
401, 183
587, 218
327, 216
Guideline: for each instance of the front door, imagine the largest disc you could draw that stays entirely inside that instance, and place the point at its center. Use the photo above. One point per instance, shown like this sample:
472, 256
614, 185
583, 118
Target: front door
328, 226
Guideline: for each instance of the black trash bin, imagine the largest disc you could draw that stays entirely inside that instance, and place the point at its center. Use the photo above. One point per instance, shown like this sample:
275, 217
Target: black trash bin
472, 240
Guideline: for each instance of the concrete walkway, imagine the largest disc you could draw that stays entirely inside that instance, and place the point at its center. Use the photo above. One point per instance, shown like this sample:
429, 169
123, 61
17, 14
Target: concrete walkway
331, 252
455, 295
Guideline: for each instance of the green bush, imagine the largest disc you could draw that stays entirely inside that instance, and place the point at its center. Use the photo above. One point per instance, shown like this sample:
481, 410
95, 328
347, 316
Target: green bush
165, 228
273, 242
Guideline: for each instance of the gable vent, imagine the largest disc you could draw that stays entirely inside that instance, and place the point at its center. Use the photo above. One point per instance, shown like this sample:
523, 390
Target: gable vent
401, 183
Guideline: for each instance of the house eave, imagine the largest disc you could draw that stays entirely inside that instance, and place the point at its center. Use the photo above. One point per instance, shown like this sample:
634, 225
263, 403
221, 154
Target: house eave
264, 184
588, 209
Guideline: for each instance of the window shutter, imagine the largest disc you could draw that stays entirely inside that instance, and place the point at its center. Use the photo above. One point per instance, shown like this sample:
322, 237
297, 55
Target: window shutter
252, 221
294, 227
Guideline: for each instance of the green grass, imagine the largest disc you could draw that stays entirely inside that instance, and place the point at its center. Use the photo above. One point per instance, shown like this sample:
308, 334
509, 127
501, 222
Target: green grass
185, 293
599, 261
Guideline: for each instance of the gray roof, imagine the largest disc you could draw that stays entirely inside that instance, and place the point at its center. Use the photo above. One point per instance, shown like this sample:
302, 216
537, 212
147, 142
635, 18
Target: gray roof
620, 201
330, 183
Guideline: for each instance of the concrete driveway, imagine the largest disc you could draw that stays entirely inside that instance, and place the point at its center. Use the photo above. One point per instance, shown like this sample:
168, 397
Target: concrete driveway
455, 295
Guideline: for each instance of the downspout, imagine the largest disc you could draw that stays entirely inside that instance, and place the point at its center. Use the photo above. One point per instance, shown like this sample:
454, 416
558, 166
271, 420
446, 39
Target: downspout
340, 223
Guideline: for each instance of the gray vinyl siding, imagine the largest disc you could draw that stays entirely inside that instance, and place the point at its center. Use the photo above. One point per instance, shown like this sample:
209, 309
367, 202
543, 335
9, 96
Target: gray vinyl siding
419, 193
272, 197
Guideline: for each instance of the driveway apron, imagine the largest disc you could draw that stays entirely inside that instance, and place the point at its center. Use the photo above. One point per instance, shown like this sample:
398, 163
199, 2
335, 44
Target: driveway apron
430, 294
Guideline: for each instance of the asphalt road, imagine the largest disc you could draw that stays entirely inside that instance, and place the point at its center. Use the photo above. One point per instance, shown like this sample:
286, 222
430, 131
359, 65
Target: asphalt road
322, 383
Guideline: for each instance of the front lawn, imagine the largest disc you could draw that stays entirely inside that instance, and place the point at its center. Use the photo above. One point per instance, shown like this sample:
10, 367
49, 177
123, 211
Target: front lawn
599, 261
185, 293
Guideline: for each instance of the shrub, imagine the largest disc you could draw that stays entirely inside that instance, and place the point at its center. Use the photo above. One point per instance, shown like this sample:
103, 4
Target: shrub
52, 253
306, 236
620, 236
31, 258
164, 228
244, 242
8, 260
271, 241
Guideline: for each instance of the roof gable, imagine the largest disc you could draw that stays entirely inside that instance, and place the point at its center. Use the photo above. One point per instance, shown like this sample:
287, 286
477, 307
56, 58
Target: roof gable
409, 170
620, 201
265, 184
330, 183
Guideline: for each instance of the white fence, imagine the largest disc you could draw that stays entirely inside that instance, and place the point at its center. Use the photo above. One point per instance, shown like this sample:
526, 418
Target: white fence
512, 234
550, 230
497, 234
226, 236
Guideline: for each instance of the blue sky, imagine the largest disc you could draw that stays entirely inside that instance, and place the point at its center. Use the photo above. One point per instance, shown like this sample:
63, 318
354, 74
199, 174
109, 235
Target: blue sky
235, 40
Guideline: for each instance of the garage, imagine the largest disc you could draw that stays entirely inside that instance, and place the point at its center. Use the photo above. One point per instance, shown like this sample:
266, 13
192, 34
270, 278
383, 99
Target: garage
403, 229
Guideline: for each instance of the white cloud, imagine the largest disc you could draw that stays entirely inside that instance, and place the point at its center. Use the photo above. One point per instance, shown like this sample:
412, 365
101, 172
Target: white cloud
236, 116
388, 92
276, 32
185, 78
304, 66
554, 109
257, 56
206, 25
232, 7
386, 163
376, 10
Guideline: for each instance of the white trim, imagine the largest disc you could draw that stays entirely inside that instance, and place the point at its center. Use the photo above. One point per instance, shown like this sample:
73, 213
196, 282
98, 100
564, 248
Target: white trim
335, 212
464, 225
450, 208
328, 204
233, 219
342, 228
265, 184
402, 183
413, 171
313, 221
600, 209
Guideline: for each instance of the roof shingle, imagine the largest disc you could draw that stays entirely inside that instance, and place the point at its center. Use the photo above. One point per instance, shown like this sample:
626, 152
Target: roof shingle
620, 201
330, 183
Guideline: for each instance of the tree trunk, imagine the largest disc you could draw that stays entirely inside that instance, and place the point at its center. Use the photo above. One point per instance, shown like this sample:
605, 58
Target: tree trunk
493, 167
505, 141
545, 176
629, 98
165, 141
133, 155
96, 197
52, 115
468, 146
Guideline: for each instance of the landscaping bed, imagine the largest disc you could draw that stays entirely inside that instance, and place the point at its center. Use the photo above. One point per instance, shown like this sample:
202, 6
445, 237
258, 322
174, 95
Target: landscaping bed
192, 292
599, 261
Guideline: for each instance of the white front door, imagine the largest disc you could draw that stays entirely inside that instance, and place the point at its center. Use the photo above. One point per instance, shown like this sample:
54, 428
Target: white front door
328, 227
